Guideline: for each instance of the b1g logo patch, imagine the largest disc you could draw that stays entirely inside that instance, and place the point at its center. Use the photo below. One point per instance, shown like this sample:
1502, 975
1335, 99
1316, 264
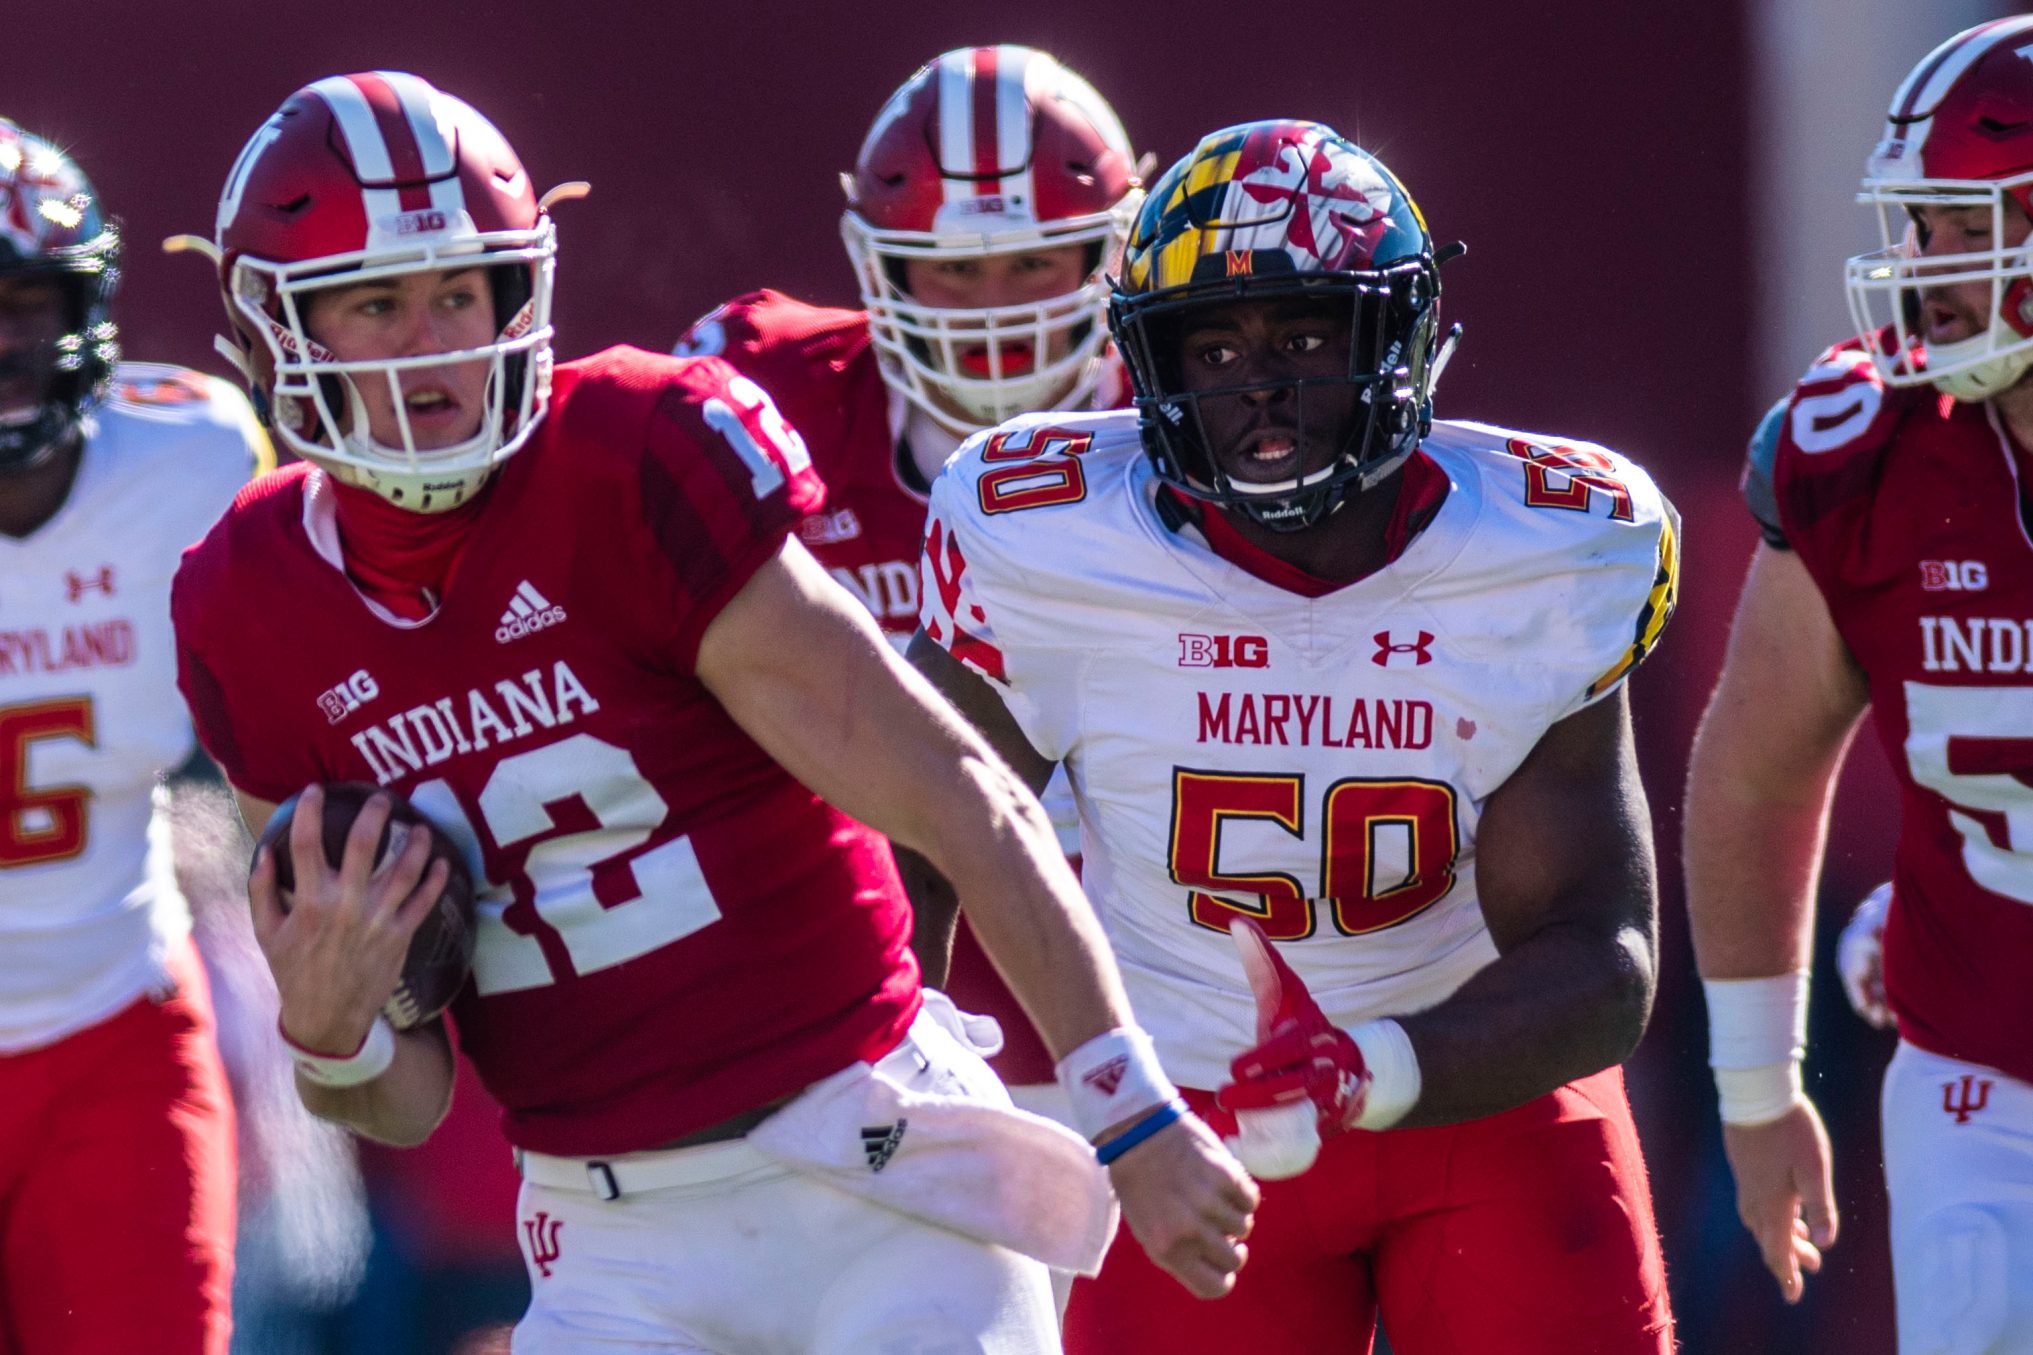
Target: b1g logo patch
349, 696
1954, 576
1224, 651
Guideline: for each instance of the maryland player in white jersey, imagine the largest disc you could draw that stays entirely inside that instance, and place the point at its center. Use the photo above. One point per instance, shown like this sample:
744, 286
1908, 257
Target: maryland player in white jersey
116, 1131
1320, 666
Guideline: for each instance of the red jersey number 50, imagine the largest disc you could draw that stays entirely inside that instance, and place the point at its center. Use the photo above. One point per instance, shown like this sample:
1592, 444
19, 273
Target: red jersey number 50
1386, 851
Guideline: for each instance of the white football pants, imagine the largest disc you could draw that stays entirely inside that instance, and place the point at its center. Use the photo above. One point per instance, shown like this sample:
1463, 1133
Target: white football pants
741, 1257
1958, 1141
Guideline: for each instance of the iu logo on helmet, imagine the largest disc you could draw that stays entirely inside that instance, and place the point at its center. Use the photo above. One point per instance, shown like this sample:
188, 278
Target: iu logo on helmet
1391, 650
542, 1232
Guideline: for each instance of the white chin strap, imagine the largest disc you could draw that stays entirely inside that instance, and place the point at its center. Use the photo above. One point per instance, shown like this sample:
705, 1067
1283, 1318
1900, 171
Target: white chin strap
422, 490
1980, 380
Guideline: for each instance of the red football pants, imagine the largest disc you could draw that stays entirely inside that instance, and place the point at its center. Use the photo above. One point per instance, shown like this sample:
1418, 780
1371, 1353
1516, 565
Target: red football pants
1526, 1233
117, 1184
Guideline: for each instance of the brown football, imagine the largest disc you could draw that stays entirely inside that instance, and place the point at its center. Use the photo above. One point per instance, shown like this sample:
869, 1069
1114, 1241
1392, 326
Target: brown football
441, 952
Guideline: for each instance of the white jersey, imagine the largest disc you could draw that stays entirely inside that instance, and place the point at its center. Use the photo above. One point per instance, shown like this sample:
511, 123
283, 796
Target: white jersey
1317, 764
89, 711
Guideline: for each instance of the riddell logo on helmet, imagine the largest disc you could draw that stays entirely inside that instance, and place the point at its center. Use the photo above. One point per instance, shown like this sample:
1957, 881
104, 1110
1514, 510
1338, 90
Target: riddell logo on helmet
528, 612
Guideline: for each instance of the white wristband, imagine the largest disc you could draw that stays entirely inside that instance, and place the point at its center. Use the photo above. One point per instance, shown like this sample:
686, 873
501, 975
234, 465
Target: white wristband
1757, 1036
1112, 1078
1758, 1095
1394, 1073
369, 1061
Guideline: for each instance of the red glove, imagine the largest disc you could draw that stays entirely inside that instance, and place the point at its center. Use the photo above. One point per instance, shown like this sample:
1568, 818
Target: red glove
1301, 1054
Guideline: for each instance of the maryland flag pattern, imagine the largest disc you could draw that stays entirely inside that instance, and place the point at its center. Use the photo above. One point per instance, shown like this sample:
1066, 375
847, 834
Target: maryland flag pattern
1658, 608
1270, 197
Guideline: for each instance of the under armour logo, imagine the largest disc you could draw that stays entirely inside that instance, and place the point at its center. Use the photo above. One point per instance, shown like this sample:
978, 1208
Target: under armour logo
880, 1143
1966, 1098
542, 1232
1108, 1076
1388, 649
76, 585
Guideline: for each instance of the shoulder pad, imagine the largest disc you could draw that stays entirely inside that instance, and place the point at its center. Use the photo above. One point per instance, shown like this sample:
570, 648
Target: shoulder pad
1759, 467
1843, 404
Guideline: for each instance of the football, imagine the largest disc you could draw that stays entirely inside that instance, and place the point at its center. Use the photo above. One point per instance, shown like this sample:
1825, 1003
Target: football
441, 952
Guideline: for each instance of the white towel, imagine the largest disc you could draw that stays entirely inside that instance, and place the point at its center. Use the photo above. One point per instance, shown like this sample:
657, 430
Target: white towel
954, 1153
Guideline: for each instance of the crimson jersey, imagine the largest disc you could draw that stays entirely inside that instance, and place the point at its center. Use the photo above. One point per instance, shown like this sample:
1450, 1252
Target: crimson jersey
671, 928
1908, 510
820, 368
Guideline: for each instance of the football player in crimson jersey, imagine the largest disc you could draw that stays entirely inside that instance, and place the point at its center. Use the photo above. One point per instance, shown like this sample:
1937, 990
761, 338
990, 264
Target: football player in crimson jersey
1338, 680
114, 1109
548, 606
990, 196
1894, 577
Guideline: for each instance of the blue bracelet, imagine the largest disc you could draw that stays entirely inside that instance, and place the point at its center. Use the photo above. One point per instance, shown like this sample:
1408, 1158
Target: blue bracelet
1141, 1130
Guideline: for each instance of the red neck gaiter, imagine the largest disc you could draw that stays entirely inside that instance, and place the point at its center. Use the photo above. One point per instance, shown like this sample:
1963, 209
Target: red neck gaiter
402, 560
1425, 486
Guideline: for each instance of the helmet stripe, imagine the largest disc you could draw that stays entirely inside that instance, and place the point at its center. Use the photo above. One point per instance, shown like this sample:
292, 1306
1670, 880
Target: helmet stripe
986, 105
1013, 123
956, 122
1931, 79
364, 145
420, 110
405, 157
420, 105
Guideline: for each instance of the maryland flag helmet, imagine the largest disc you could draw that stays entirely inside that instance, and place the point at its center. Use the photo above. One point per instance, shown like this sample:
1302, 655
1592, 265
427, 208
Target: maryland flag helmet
1271, 210
52, 226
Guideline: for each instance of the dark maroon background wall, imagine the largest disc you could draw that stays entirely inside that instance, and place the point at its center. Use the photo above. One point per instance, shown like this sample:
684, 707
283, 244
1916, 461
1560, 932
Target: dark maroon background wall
1594, 154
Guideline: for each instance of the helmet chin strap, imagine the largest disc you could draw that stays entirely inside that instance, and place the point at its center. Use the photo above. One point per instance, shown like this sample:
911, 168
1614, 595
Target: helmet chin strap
1981, 380
389, 477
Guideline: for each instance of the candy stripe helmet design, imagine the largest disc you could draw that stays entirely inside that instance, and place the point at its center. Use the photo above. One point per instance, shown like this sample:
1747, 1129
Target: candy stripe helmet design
1282, 209
989, 151
1959, 134
51, 225
371, 177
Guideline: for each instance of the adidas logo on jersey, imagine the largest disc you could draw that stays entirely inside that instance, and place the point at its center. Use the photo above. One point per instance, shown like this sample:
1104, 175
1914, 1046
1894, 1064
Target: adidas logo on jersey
879, 1143
528, 612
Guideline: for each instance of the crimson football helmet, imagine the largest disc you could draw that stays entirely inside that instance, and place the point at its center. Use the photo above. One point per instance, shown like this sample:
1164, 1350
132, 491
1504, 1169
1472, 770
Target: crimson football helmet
1277, 210
362, 178
1959, 134
51, 226
989, 151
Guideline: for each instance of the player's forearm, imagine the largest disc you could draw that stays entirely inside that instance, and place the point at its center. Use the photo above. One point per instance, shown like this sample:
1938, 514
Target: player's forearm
400, 1107
1756, 823
1025, 905
1762, 773
1569, 1000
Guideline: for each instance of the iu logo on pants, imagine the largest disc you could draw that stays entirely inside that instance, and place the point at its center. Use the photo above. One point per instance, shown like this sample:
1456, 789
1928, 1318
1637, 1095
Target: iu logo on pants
1965, 1098
542, 1232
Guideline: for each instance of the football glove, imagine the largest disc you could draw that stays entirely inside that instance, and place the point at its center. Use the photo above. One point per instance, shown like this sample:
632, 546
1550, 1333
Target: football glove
1300, 1057
1860, 955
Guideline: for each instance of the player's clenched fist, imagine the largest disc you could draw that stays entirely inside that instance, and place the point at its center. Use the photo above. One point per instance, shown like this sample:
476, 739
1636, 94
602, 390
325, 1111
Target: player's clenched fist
336, 938
1190, 1204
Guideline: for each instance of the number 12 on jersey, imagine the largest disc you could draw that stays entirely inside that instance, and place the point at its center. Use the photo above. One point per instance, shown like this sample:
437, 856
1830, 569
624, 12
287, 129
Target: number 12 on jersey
1387, 848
